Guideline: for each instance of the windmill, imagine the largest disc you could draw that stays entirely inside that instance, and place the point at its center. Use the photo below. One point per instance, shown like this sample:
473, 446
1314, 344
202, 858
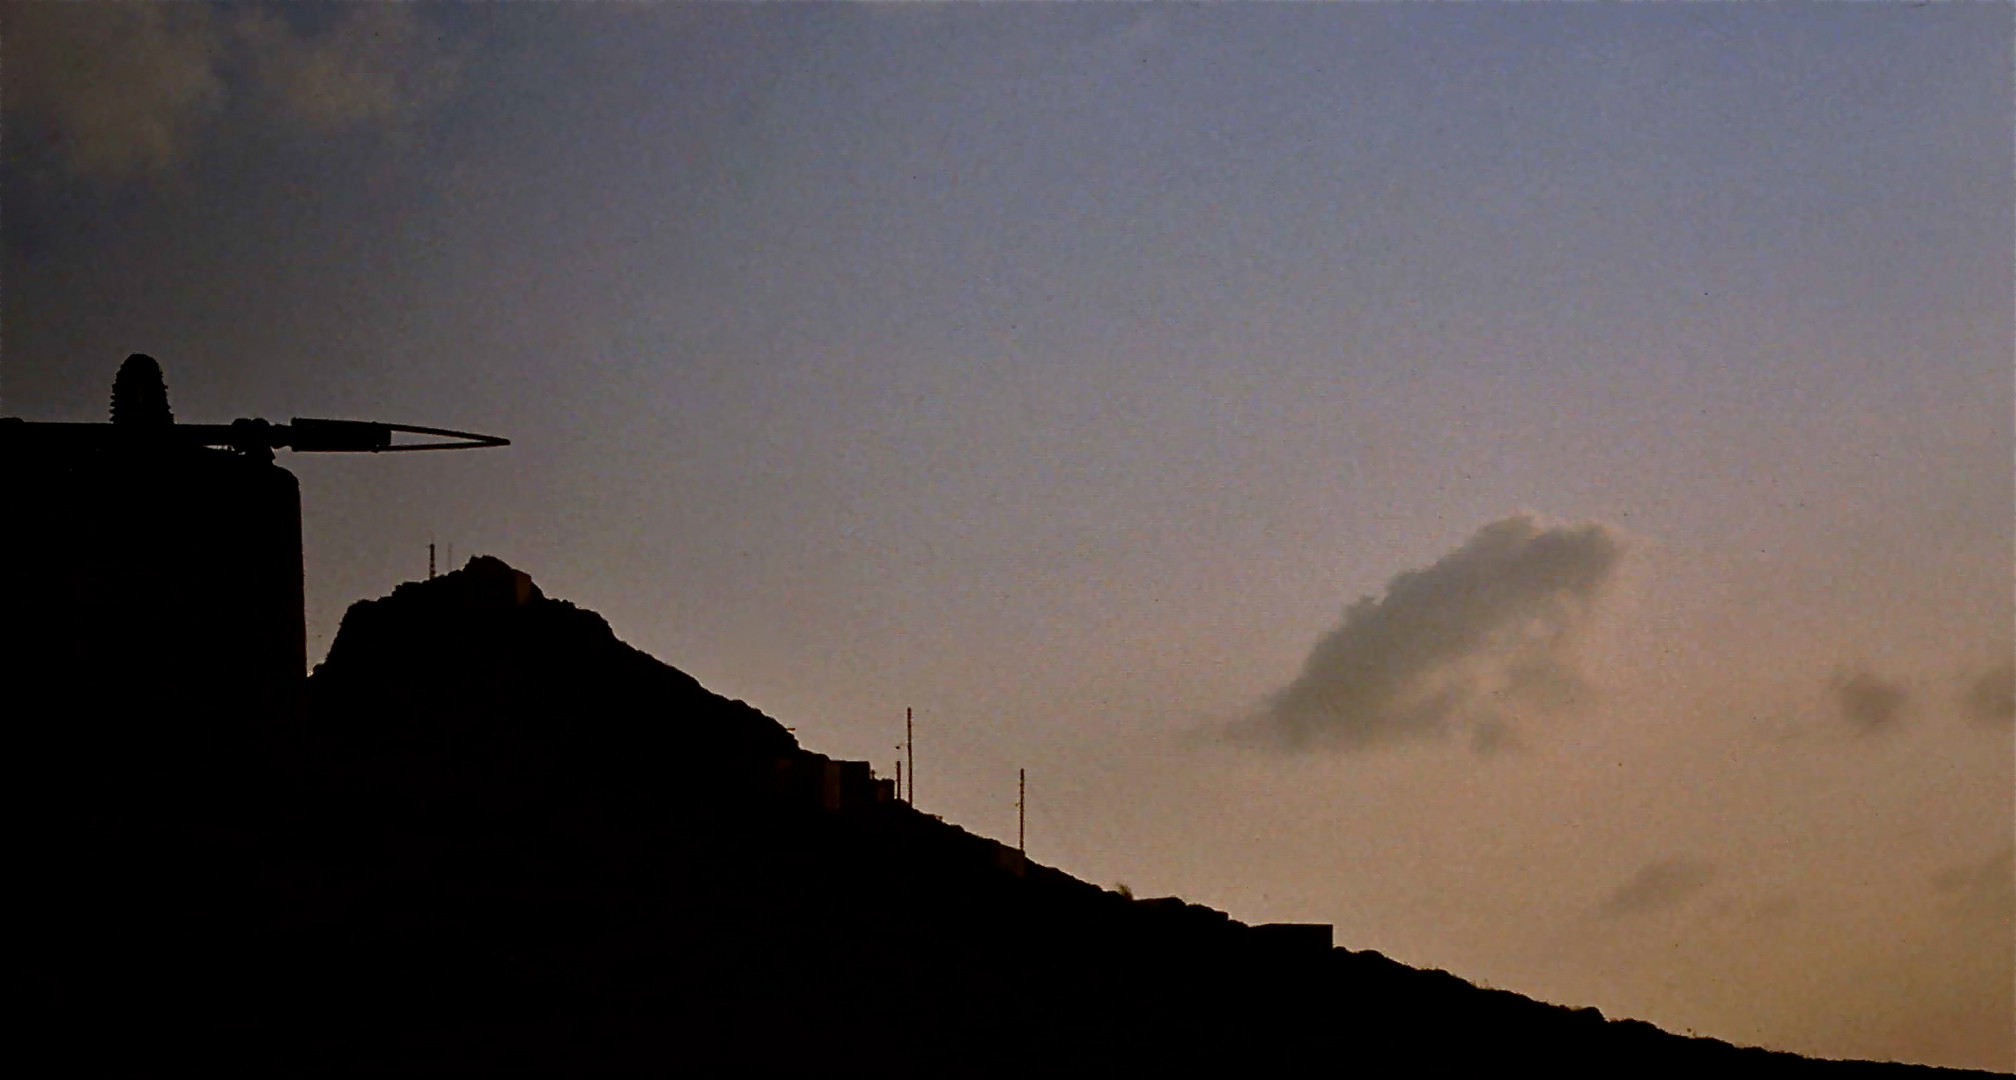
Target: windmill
154, 607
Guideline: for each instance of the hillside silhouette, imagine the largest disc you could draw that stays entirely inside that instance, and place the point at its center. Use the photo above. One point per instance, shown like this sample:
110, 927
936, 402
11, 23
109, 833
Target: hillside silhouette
499, 839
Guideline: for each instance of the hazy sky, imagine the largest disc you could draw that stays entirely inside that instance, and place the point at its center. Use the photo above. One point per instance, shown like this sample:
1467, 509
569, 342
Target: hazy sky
1528, 484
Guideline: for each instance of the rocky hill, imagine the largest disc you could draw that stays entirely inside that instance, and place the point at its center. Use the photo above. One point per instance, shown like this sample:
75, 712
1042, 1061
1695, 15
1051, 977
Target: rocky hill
502, 840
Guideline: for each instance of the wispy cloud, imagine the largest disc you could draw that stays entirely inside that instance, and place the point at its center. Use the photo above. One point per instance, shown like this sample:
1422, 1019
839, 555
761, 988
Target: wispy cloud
1867, 702
378, 65
120, 90
121, 87
1477, 640
1984, 889
1991, 698
1656, 886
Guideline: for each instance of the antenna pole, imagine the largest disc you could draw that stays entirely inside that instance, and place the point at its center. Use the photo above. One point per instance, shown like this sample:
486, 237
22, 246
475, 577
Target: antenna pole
910, 751
430, 562
1022, 811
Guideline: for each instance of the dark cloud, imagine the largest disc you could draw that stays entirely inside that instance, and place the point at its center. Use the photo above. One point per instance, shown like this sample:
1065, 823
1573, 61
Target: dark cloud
1774, 910
125, 89
120, 87
1475, 641
1867, 702
1495, 736
1984, 889
377, 65
1991, 698
1657, 886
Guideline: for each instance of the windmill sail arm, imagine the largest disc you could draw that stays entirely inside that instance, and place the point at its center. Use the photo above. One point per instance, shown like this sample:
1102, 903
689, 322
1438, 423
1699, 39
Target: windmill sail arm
307, 435
302, 435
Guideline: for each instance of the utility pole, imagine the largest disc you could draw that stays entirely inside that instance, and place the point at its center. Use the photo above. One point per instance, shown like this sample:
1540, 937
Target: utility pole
910, 751
899, 779
430, 562
1022, 811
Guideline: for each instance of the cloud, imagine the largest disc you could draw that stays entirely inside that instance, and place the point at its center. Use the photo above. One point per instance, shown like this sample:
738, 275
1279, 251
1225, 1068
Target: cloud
1985, 889
1868, 703
120, 86
1991, 698
1494, 736
119, 90
1475, 641
1775, 909
1656, 886
376, 65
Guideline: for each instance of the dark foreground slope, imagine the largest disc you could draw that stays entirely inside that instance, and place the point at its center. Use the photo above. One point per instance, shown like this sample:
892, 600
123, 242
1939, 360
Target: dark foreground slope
505, 841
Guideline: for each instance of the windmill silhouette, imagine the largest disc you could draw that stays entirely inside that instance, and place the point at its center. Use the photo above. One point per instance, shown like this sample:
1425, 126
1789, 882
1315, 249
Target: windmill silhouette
153, 639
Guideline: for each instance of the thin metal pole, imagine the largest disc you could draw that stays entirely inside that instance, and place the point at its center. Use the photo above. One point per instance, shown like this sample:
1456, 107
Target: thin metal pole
910, 751
1022, 811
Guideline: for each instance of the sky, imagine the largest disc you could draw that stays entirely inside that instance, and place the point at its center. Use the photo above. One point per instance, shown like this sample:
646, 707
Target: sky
1529, 485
